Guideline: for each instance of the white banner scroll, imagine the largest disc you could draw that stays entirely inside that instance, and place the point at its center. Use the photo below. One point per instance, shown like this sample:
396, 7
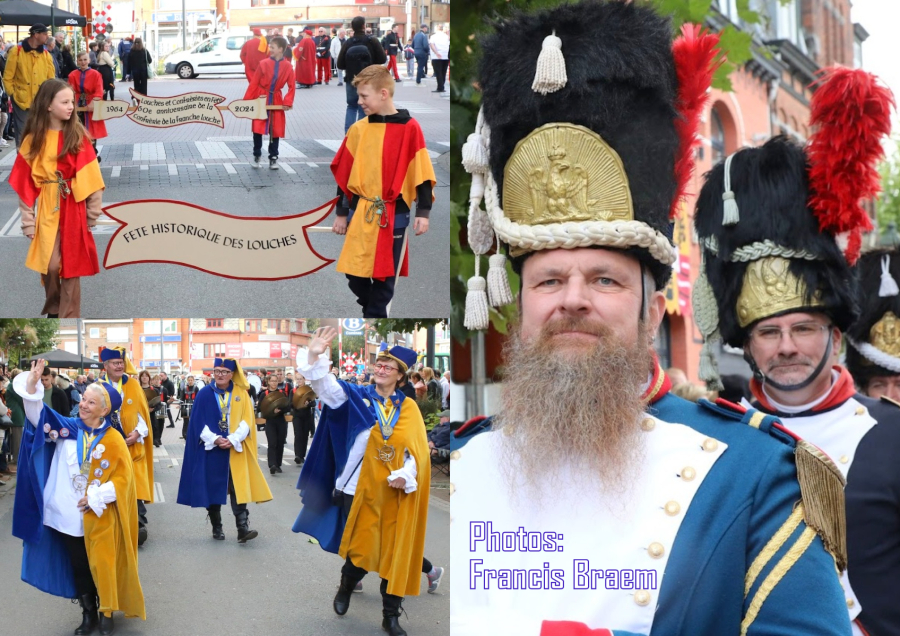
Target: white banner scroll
104, 110
249, 108
189, 108
162, 231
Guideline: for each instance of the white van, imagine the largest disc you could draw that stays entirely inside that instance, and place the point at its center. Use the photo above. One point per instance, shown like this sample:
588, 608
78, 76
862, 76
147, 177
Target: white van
218, 55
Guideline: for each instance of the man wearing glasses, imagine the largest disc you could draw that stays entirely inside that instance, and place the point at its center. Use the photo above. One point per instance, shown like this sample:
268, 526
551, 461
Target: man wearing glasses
366, 483
220, 456
783, 291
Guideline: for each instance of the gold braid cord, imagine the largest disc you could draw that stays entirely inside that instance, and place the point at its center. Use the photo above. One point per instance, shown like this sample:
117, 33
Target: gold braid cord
822, 490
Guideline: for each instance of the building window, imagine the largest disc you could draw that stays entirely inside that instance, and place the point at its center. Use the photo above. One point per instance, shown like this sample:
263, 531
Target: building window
717, 137
95, 332
254, 326
213, 350
280, 326
265, 3
213, 323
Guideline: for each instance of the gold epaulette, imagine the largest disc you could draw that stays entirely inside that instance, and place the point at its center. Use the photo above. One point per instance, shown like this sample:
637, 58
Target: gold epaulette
822, 490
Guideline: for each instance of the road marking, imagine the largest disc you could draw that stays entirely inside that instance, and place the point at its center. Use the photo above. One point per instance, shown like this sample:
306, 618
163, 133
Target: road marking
288, 169
173, 170
148, 151
11, 223
158, 493
229, 168
145, 168
4, 175
214, 150
234, 139
443, 143
99, 150
9, 159
312, 164
116, 171
332, 144
200, 166
287, 150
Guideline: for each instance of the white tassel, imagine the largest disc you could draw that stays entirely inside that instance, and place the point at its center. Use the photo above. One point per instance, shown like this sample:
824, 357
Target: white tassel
499, 293
550, 75
476, 302
730, 213
474, 154
888, 284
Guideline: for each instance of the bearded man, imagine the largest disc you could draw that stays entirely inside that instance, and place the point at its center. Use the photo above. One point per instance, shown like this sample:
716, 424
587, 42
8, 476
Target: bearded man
601, 503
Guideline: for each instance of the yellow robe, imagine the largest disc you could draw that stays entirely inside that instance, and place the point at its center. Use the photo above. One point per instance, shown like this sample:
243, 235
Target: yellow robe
249, 482
111, 539
134, 403
385, 530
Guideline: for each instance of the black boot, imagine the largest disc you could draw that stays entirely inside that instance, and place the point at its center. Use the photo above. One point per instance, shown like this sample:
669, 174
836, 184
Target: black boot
391, 609
107, 626
391, 624
242, 519
89, 618
342, 598
215, 518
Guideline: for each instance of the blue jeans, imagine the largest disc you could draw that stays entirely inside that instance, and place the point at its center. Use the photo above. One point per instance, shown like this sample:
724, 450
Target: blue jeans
422, 71
354, 110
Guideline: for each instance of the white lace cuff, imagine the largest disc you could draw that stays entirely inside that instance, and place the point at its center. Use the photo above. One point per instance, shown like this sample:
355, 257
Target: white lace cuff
208, 438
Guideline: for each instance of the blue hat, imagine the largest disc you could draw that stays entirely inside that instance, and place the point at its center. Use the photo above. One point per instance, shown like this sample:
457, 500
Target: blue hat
111, 354
406, 357
113, 398
228, 363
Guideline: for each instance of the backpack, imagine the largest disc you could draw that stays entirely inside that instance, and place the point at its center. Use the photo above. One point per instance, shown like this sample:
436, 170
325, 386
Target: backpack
356, 57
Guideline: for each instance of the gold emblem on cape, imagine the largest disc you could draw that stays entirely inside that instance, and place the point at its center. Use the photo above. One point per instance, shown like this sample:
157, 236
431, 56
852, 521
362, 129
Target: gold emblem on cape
885, 334
770, 288
563, 172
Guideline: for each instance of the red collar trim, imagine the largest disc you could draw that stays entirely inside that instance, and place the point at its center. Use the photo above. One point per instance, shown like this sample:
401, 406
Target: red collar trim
841, 391
660, 384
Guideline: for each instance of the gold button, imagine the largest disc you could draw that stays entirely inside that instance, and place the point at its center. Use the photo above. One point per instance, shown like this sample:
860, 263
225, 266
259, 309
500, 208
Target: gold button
455, 454
860, 410
710, 445
672, 508
656, 550
648, 424
844, 459
642, 597
688, 473
452, 489
850, 602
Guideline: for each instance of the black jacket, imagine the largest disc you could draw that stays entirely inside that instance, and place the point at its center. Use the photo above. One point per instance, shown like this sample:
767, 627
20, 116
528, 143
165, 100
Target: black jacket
60, 402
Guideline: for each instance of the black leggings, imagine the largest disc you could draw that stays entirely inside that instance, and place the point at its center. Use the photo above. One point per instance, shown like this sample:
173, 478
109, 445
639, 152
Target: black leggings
84, 582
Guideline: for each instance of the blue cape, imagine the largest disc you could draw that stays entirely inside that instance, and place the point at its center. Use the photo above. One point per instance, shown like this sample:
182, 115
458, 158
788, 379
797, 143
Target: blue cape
45, 560
204, 473
337, 430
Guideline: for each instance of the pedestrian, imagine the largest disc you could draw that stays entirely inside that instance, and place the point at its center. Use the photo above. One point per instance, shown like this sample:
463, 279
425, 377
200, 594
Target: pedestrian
187, 394
88, 87
323, 56
440, 49
17, 414
105, 65
80, 533
28, 65
588, 443
357, 53
290, 37
366, 496
337, 40
273, 75
134, 418
790, 332
276, 425
445, 390
305, 58
389, 143
254, 51
146, 382
409, 53
432, 386
67, 188
54, 397
59, 41
55, 55
391, 46
139, 60
68, 61
92, 51
124, 49
303, 420
169, 386
220, 457
422, 48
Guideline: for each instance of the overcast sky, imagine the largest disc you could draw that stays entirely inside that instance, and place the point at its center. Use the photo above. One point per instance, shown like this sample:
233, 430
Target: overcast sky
881, 52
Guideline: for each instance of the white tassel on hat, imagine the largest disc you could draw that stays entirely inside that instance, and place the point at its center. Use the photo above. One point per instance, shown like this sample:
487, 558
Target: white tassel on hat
550, 75
499, 293
476, 301
730, 213
474, 151
888, 284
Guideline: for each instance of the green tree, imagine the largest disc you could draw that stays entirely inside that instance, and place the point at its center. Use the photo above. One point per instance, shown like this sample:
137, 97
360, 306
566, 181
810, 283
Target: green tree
887, 205
386, 326
23, 337
469, 20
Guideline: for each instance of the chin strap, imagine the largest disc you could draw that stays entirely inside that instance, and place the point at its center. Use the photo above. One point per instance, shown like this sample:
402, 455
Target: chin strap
763, 380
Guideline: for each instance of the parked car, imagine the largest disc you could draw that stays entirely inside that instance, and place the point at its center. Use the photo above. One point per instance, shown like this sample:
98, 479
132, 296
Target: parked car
217, 55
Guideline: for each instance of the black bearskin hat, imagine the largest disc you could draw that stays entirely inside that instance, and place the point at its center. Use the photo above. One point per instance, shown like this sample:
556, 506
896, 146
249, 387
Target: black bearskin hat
874, 339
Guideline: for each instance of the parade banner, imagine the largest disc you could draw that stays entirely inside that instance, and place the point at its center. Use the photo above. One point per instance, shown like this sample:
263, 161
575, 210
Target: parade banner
162, 231
188, 108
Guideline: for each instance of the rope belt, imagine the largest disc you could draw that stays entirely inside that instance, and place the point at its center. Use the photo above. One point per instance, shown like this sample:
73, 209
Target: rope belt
62, 191
376, 209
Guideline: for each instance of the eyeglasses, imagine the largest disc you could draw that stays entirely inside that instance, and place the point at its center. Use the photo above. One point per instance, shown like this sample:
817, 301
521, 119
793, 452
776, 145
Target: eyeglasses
385, 368
802, 333
222, 372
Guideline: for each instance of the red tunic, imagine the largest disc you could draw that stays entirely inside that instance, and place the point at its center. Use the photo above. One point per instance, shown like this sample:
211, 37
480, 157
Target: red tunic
251, 56
93, 89
270, 78
305, 54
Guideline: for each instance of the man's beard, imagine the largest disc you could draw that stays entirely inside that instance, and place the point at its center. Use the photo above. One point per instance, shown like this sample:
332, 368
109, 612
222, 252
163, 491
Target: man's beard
573, 409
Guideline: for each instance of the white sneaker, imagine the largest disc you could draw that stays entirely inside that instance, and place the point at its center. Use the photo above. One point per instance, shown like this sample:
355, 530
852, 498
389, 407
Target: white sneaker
435, 581
3, 143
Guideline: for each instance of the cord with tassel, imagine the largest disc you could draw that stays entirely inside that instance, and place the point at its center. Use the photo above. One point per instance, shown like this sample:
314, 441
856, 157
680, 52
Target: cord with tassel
550, 75
730, 212
499, 293
476, 301
888, 284
474, 151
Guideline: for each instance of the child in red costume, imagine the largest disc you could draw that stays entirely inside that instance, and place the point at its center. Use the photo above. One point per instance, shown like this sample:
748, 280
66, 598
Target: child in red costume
88, 86
274, 74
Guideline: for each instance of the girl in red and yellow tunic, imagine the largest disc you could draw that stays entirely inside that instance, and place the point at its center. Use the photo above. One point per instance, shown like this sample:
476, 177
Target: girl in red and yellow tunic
57, 168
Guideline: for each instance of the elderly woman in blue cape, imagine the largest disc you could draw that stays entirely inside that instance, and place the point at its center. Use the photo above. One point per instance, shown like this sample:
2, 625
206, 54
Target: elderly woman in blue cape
75, 504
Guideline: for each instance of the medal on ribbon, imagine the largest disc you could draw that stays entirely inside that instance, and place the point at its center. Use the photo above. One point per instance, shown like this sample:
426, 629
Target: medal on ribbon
387, 420
88, 447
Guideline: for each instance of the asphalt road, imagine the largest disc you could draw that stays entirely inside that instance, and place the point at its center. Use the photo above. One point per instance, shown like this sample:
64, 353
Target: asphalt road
277, 584
209, 166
